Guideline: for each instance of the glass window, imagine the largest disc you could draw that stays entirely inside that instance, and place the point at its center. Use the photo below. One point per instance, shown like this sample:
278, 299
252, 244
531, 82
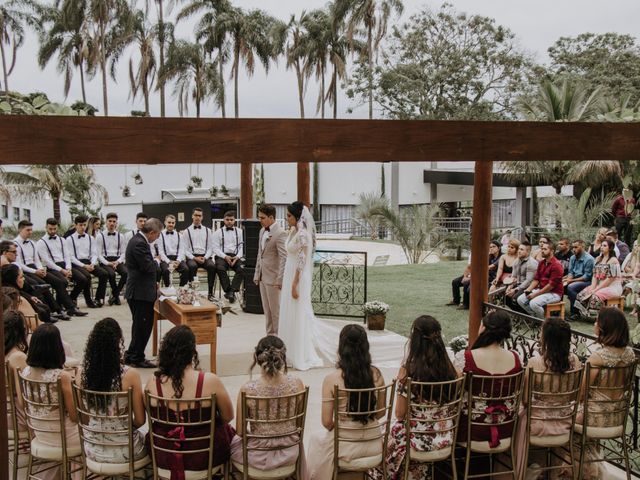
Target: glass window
4, 211
16, 214
26, 214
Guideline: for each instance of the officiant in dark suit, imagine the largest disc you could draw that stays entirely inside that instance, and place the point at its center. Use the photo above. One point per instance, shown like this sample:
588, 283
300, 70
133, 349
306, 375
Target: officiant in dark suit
141, 290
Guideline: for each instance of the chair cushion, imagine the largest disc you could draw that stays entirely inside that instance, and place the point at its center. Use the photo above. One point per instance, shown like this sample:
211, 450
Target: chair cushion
433, 456
280, 472
47, 452
116, 468
550, 440
362, 463
483, 447
600, 432
190, 474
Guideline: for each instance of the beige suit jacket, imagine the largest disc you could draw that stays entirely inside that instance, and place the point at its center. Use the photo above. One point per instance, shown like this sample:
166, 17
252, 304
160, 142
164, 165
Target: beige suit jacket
271, 260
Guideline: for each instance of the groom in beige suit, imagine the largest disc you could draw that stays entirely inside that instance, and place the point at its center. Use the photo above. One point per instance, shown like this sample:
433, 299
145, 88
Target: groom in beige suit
272, 255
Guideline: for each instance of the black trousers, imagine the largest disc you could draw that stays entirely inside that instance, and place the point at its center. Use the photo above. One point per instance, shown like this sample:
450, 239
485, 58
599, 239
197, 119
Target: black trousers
624, 229
165, 274
116, 287
142, 315
33, 286
456, 284
209, 266
82, 280
59, 285
222, 267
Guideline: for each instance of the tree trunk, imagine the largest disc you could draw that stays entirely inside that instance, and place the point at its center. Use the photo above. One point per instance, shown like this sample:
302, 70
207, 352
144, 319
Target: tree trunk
223, 99
316, 192
145, 91
162, 41
236, 63
303, 167
335, 93
246, 191
300, 89
322, 89
370, 72
558, 189
103, 67
56, 206
84, 93
4, 69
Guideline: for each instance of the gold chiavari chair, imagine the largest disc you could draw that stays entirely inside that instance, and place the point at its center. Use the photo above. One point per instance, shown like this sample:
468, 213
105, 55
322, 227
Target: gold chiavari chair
18, 436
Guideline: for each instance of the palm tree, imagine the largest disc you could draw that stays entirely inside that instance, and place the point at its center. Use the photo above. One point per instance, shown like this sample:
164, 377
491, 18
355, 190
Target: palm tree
13, 15
318, 25
144, 35
195, 76
374, 16
68, 37
580, 217
51, 179
368, 209
213, 35
297, 54
564, 101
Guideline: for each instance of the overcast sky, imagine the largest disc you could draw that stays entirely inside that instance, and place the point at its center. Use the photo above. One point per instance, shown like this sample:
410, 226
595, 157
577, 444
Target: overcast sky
536, 24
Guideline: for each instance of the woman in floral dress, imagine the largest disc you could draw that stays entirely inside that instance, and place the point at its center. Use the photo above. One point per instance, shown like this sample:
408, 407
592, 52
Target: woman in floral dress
427, 361
606, 283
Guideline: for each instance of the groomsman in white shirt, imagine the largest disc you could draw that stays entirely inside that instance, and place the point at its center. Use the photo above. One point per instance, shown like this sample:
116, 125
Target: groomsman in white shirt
84, 259
141, 217
29, 261
228, 248
198, 249
111, 253
171, 249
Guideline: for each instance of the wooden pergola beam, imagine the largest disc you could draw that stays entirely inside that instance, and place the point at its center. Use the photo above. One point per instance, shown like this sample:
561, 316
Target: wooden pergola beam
109, 140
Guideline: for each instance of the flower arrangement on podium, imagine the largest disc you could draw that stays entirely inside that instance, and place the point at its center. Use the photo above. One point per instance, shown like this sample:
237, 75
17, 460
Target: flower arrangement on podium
186, 295
376, 314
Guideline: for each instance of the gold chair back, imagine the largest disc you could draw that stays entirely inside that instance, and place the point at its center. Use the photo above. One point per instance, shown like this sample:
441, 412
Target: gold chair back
17, 440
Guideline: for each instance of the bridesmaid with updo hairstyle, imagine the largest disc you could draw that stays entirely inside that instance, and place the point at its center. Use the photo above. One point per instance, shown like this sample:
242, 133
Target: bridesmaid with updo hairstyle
274, 381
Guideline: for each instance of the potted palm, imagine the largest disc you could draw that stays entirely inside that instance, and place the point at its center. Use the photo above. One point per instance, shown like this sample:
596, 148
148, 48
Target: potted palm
376, 314
196, 181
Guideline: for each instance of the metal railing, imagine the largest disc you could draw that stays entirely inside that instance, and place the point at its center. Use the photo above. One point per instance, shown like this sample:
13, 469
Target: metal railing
358, 228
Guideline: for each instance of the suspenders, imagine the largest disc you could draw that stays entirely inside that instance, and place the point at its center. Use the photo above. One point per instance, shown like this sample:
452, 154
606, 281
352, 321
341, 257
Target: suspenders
33, 247
75, 252
46, 244
206, 242
104, 244
237, 243
164, 243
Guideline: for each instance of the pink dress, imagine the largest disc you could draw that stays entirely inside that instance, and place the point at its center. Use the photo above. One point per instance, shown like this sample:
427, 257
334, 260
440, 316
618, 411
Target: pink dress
587, 299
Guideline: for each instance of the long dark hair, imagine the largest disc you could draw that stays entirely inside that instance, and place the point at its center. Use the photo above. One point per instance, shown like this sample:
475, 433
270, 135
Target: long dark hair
15, 331
612, 251
177, 352
497, 328
271, 355
45, 348
10, 298
295, 209
10, 274
613, 329
499, 246
102, 365
354, 360
555, 344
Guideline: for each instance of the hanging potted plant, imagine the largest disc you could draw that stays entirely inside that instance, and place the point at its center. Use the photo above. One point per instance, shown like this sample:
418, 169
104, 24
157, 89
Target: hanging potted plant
196, 181
376, 313
137, 178
190, 188
213, 191
224, 191
126, 191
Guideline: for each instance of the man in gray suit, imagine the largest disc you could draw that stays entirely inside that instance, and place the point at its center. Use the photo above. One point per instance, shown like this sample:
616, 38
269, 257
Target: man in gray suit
524, 269
272, 255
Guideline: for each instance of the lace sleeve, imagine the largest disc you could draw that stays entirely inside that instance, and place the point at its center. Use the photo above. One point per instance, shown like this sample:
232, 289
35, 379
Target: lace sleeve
459, 361
302, 246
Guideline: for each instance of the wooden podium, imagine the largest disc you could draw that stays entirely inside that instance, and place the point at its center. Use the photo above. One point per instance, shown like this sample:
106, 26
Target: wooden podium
202, 319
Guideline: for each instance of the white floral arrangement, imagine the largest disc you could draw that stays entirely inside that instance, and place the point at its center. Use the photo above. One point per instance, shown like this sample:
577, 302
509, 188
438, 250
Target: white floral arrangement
375, 307
459, 343
186, 295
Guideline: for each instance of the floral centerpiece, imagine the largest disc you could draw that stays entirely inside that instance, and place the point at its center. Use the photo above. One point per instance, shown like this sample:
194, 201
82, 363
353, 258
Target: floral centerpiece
459, 343
186, 295
376, 314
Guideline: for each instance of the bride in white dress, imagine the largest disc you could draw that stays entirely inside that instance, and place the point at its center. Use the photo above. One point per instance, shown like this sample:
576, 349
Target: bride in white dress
313, 342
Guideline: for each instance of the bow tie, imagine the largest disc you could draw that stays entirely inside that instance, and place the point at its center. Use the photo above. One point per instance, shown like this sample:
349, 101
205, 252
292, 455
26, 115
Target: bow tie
111, 233
81, 236
52, 238
170, 233
266, 229
198, 227
229, 229
25, 242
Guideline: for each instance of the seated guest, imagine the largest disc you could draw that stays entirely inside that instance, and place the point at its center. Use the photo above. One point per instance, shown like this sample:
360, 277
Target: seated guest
504, 275
171, 253
580, 274
13, 277
94, 226
563, 254
546, 286
606, 282
11, 300
353, 370
103, 370
461, 282
621, 249
495, 255
111, 247
601, 236
198, 249
488, 357
228, 248
630, 276
84, 258
524, 270
271, 356
426, 361
178, 377
16, 346
537, 255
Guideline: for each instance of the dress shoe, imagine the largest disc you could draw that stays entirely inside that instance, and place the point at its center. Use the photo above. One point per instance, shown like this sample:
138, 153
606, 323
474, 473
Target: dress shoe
143, 364
462, 307
77, 313
53, 318
212, 297
451, 304
60, 316
231, 296
99, 303
91, 304
114, 301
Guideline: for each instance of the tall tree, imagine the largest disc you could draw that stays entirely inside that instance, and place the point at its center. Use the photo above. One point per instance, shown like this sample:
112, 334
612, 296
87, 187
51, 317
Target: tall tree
142, 77
14, 15
297, 54
67, 35
339, 48
213, 34
194, 74
374, 16
318, 25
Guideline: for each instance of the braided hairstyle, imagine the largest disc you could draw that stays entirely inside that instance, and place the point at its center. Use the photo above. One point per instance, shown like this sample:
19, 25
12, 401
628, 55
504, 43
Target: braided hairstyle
271, 355
103, 355
497, 328
177, 352
354, 359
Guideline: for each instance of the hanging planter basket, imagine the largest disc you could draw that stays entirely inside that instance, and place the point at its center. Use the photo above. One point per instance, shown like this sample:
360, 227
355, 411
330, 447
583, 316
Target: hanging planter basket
189, 188
196, 181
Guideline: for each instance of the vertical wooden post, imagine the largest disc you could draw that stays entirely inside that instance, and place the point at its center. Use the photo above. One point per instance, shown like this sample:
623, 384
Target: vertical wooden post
480, 236
304, 194
4, 406
246, 190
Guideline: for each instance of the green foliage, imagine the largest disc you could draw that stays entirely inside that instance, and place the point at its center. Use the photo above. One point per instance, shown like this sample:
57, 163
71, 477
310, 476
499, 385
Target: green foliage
447, 65
458, 241
38, 104
81, 192
369, 205
579, 218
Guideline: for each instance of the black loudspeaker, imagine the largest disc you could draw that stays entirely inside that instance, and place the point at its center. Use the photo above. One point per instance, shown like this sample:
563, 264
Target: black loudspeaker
251, 238
251, 300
